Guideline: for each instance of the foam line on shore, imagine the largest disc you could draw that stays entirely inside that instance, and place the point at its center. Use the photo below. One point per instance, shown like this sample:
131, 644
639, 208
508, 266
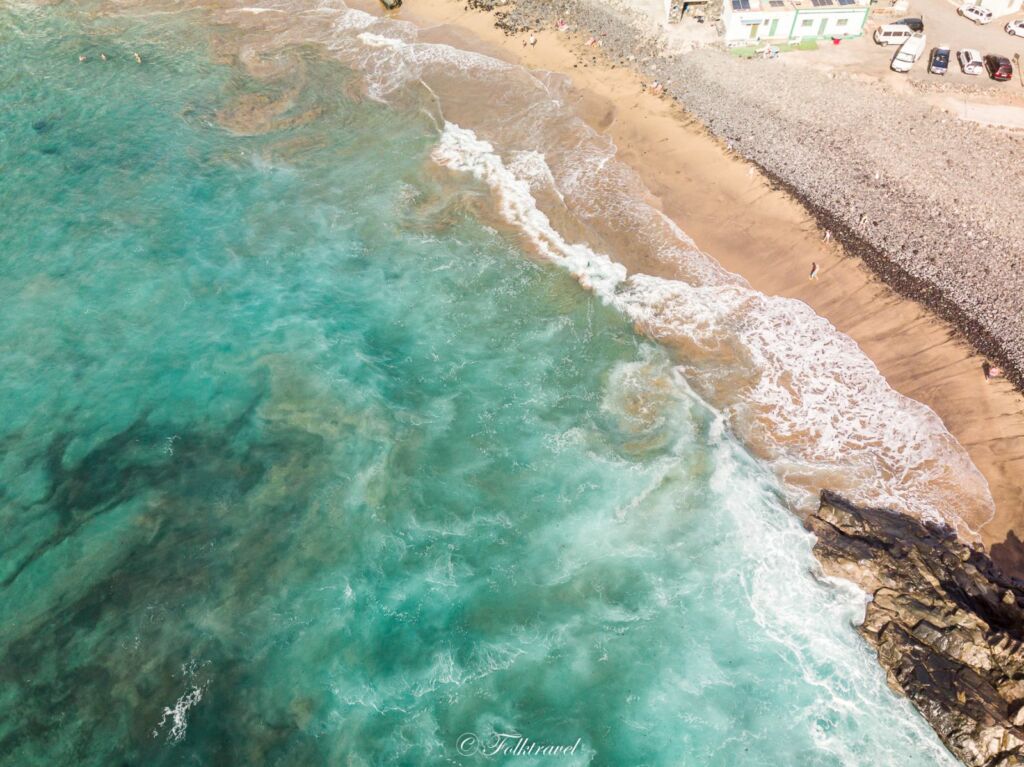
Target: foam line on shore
801, 395
816, 404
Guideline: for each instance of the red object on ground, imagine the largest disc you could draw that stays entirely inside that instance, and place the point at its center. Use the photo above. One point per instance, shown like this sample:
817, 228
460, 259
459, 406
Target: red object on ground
835, 41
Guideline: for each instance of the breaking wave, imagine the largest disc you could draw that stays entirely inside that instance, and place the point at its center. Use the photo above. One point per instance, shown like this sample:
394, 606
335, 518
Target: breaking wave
801, 395
813, 404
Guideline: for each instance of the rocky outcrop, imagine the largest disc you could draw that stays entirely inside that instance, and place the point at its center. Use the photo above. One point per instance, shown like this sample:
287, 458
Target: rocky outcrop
947, 625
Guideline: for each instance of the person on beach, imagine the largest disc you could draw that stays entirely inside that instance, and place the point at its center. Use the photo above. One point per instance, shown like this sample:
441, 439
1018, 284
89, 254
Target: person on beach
828, 236
814, 271
656, 88
991, 371
138, 58
533, 40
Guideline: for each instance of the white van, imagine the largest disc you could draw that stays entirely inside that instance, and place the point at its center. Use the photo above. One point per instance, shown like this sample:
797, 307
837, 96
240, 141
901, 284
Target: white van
909, 53
892, 34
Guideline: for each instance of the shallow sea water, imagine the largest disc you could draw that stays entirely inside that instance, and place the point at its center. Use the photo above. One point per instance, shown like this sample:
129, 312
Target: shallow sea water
305, 463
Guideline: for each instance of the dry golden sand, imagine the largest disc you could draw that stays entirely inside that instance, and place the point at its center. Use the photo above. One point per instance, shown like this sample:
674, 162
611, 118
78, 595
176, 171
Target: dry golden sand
734, 214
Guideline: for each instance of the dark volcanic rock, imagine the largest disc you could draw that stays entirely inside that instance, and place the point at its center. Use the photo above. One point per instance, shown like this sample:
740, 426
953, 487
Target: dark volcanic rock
947, 625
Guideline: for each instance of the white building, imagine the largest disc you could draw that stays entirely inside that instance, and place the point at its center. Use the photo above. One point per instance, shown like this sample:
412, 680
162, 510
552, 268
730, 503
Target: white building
752, 21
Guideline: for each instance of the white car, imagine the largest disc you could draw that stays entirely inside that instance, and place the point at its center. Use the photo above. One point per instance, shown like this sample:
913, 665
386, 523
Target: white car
975, 14
909, 53
1015, 27
970, 61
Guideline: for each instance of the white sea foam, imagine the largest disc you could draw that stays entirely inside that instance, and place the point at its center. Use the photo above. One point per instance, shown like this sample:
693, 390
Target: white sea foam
775, 573
811, 401
532, 167
802, 394
460, 149
179, 715
816, 400
255, 11
387, 55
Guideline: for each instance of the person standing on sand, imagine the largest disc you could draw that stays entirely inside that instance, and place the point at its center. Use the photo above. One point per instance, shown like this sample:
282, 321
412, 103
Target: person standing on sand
991, 371
814, 271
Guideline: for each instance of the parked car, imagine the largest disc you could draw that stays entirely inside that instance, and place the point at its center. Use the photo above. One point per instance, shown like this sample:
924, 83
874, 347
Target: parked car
893, 34
939, 61
970, 61
909, 53
999, 67
916, 25
975, 13
1015, 27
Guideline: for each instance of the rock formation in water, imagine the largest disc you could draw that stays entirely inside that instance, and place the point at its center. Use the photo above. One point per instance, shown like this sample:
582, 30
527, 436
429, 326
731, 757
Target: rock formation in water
947, 625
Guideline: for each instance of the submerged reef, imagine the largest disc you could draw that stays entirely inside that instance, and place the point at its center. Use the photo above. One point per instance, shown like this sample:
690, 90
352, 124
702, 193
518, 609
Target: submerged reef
947, 625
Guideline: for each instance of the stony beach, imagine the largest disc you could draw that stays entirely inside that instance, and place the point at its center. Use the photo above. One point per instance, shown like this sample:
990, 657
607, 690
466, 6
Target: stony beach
904, 187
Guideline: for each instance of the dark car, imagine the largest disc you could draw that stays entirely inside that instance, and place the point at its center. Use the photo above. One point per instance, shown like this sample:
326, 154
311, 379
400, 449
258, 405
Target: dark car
939, 61
998, 67
916, 25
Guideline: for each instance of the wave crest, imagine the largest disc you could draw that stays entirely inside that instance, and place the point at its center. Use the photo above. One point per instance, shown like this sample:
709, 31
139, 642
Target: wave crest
800, 393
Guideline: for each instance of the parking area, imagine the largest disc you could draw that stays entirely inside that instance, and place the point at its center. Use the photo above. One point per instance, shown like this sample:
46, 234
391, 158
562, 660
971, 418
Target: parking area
943, 26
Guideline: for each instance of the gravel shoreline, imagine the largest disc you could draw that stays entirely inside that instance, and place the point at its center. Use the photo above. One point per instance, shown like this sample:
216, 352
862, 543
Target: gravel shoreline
929, 202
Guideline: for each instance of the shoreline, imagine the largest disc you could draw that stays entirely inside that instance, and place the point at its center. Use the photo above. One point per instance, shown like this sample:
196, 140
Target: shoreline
694, 178
875, 164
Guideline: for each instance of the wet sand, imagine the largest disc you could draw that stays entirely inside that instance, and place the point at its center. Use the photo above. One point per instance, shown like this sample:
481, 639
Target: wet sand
733, 213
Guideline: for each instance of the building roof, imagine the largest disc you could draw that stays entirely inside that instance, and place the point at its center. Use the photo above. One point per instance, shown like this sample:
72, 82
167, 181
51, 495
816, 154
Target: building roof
762, 6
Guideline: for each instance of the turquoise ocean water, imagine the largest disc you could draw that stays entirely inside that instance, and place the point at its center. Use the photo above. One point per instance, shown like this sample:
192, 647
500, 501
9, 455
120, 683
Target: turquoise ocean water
303, 463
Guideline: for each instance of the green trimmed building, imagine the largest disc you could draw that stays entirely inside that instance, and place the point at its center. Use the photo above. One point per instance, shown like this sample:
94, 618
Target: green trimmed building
753, 21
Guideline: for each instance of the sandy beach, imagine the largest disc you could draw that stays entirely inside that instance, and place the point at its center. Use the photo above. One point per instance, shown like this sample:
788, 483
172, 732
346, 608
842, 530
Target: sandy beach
736, 215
